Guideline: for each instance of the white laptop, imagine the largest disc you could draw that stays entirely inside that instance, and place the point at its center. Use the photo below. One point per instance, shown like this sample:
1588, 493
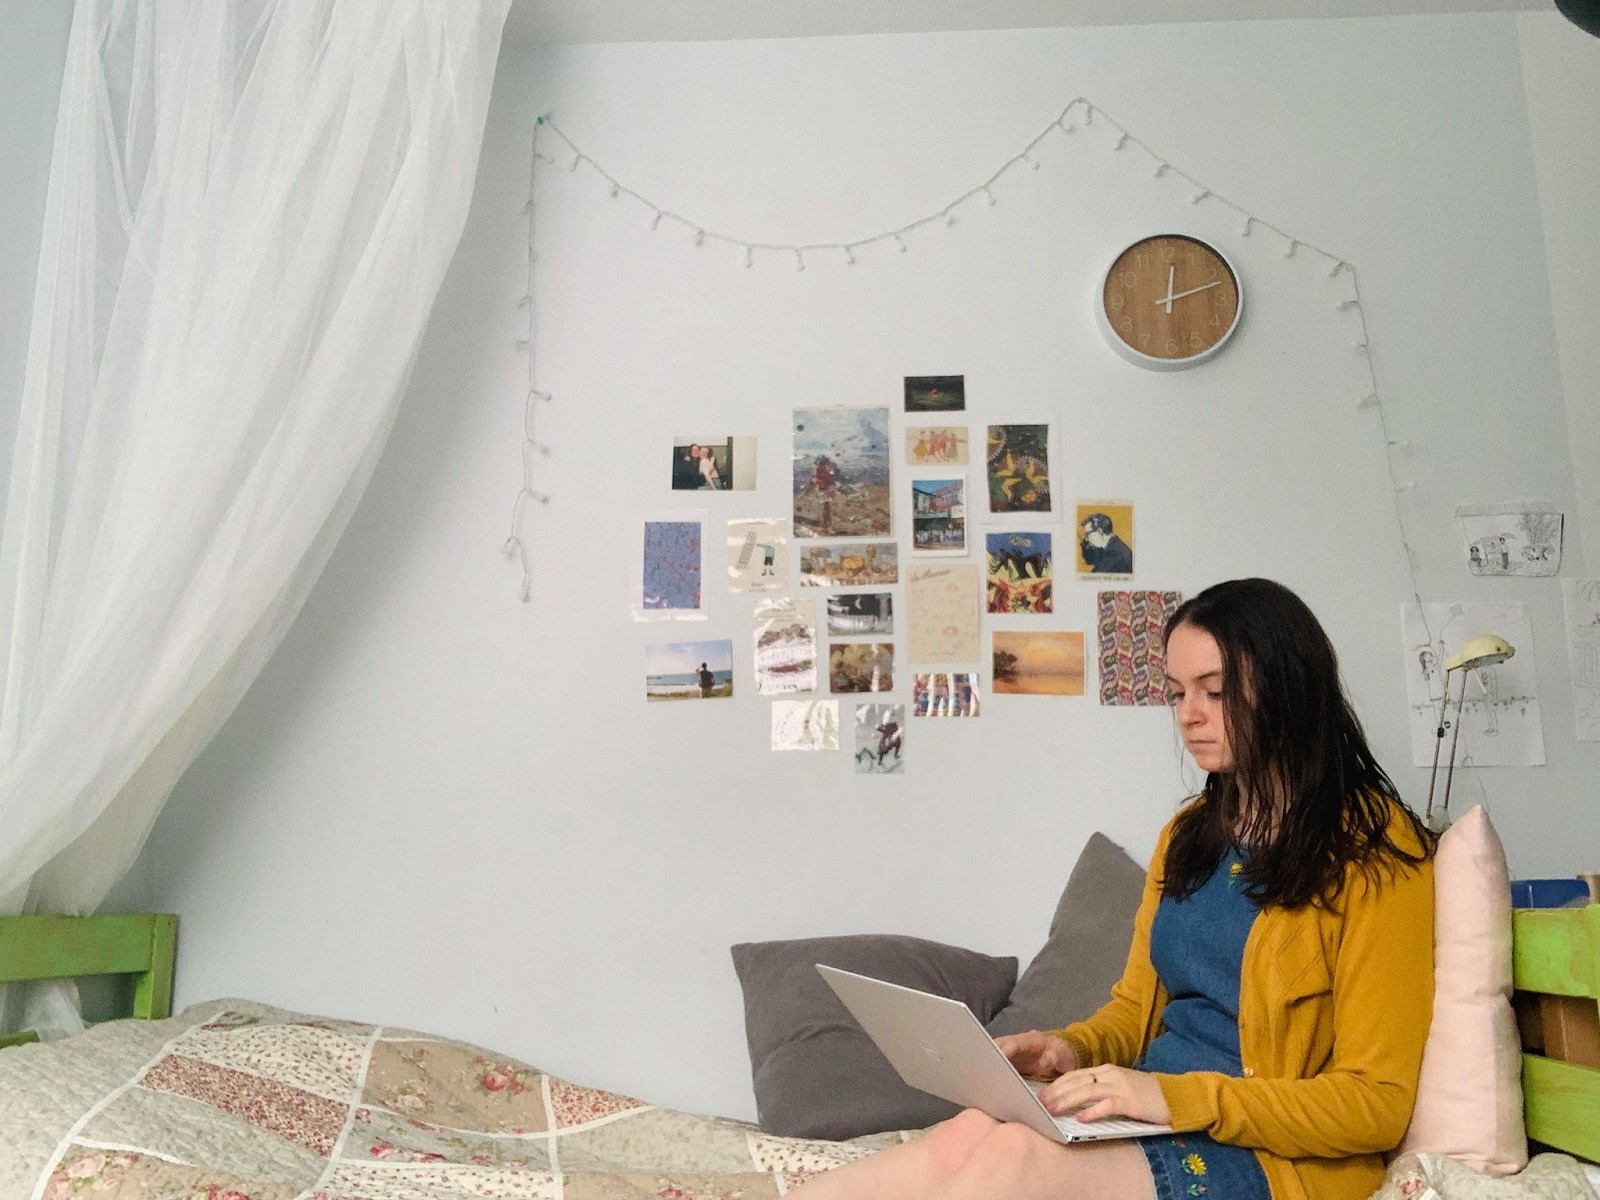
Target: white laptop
939, 1046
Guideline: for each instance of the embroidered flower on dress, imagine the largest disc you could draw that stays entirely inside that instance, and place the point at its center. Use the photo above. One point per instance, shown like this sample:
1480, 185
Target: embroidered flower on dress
1194, 1164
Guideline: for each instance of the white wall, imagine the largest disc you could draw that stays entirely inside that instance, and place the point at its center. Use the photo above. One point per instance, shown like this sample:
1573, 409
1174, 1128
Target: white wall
441, 807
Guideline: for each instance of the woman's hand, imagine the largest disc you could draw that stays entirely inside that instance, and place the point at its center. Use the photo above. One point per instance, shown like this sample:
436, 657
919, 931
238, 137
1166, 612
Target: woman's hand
1096, 1092
1039, 1054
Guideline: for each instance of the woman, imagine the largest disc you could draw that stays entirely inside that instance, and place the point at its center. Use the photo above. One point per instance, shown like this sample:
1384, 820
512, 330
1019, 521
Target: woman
1280, 983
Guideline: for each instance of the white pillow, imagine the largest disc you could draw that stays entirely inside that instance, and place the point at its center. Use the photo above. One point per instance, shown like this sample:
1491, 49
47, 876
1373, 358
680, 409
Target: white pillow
1469, 1099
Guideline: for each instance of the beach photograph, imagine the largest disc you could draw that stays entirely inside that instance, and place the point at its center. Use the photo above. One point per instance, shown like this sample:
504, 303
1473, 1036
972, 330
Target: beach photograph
688, 670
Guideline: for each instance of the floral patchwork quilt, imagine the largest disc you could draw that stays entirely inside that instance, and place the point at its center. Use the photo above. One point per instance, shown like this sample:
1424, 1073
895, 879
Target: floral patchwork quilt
238, 1101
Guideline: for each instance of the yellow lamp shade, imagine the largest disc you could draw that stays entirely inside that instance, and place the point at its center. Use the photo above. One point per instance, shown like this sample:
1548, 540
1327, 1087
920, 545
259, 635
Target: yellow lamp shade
1483, 650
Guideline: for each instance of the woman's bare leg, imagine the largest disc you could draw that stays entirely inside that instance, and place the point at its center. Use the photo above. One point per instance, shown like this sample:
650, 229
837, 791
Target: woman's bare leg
1012, 1162
974, 1157
909, 1171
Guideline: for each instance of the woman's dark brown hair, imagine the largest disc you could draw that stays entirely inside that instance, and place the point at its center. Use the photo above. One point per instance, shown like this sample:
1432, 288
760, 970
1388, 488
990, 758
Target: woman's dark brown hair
1305, 799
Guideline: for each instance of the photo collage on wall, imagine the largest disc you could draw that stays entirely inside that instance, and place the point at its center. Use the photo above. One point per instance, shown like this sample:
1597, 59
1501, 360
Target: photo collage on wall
861, 620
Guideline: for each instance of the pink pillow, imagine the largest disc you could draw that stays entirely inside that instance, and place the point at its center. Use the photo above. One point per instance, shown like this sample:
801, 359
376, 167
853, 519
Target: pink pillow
1469, 1099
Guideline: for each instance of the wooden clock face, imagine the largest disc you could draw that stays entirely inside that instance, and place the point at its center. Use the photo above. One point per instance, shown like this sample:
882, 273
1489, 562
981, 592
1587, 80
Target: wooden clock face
1169, 301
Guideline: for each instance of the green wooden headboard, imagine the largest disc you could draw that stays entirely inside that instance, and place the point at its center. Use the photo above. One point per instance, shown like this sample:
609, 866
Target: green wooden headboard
144, 946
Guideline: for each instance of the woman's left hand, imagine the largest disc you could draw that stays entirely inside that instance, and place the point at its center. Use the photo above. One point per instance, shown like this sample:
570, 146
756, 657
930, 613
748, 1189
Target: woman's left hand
1094, 1092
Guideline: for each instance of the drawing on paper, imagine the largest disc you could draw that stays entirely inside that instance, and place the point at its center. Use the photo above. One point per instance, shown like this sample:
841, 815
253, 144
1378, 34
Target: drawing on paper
1521, 537
1501, 725
1582, 601
841, 472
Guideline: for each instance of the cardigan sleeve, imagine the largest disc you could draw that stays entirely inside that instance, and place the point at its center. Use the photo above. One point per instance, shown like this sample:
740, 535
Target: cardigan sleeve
1115, 1032
1382, 1006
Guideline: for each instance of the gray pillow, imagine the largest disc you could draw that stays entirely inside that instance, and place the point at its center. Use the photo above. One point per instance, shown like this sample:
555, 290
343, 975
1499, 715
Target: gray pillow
816, 1073
1083, 956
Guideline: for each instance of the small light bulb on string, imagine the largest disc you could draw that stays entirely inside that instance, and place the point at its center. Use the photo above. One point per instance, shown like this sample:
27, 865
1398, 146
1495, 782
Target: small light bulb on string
1409, 485
1032, 163
1294, 245
1400, 444
524, 301
1120, 142
849, 256
528, 207
1199, 196
1370, 400
901, 242
577, 160
1088, 114
1162, 167
521, 343
1338, 265
1065, 125
749, 256
536, 394
699, 237
1249, 222
616, 190
990, 195
799, 260
1350, 303
949, 217
655, 221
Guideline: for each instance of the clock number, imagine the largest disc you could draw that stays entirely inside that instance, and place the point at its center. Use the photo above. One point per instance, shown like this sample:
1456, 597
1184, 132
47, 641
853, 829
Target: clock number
1126, 325
1172, 346
1129, 278
1141, 260
1117, 302
1195, 340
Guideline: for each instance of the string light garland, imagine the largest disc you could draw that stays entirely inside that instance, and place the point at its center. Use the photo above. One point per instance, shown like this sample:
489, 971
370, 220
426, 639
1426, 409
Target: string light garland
847, 252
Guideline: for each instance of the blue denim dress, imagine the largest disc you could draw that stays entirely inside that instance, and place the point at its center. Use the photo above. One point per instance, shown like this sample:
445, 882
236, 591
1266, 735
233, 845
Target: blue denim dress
1197, 949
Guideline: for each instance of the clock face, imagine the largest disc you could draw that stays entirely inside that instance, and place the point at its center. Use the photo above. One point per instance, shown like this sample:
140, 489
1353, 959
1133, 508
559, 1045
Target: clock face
1169, 301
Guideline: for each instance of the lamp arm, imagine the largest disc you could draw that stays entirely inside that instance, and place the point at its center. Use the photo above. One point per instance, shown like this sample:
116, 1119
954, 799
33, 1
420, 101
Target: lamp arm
1438, 741
1450, 775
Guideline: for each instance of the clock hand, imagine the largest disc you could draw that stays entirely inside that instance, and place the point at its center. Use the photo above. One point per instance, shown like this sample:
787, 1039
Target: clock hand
1171, 271
1170, 297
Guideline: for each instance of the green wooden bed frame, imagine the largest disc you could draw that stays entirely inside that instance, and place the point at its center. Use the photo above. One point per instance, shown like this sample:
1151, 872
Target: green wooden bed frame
1556, 954
144, 946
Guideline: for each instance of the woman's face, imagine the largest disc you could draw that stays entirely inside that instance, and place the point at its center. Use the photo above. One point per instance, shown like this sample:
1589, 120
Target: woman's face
1194, 683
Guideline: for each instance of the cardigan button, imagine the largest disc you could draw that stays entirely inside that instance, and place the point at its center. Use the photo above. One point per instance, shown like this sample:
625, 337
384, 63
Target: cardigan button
1248, 1073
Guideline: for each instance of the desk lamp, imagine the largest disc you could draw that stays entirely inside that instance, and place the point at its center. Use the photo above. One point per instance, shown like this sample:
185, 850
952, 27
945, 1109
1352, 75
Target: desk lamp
1484, 650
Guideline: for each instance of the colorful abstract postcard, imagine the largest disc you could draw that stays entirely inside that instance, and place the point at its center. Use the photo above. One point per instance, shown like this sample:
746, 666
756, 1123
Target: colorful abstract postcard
758, 554
1021, 573
805, 724
841, 472
785, 646
856, 614
671, 570
939, 516
943, 612
861, 667
1132, 650
726, 464
1105, 539
1018, 470
945, 694
936, 393
880, 739
859, 564
937, 446
1038, 664
688, 670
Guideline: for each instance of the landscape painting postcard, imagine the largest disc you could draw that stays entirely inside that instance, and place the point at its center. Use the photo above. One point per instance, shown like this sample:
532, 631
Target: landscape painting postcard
859, 564
726, 464
841, 472
1021, 573
939, 516
936, 393
1037, 664
688, 670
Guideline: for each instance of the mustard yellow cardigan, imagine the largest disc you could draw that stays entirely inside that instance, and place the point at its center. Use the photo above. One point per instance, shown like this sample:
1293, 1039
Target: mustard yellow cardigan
1334, 1007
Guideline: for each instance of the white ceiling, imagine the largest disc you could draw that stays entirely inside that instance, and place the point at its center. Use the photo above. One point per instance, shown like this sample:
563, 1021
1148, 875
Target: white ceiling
575, 21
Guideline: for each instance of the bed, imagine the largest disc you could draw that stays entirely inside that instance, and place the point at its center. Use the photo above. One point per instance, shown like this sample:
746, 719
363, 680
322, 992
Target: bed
233, 1100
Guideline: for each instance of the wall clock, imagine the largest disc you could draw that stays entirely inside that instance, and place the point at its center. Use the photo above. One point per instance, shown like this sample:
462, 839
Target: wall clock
1169, 302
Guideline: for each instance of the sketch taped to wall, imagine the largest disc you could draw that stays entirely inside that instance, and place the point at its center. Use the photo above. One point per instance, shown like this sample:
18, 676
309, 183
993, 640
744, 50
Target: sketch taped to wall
1518, 537
1582, 597
758, 554
1501, 725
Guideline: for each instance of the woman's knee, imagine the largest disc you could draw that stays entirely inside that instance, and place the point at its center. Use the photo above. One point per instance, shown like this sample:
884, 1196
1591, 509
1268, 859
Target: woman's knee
951, 1142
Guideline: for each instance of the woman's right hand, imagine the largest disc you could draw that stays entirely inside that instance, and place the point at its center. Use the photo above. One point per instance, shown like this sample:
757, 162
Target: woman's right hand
1040, 1054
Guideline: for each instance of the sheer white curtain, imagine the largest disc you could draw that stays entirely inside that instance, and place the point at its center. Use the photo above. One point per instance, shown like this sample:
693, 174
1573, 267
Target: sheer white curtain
251, 206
